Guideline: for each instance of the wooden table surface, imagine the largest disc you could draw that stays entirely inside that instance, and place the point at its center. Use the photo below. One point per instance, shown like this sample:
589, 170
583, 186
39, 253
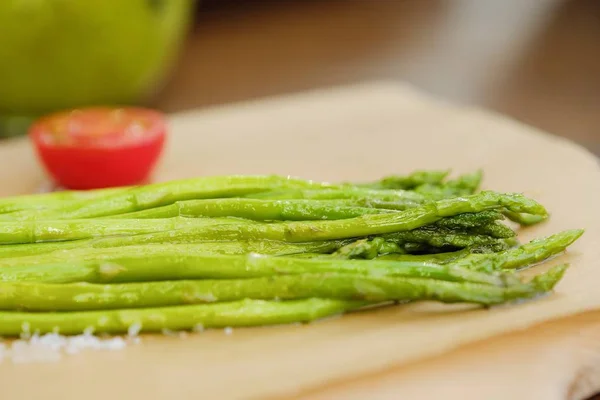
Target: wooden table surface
537, 61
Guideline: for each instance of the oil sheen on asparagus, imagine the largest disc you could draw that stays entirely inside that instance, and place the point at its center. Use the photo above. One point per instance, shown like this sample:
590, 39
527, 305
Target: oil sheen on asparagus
234, 251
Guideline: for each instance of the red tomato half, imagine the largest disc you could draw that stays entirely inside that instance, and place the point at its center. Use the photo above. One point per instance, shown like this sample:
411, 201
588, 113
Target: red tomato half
99, 147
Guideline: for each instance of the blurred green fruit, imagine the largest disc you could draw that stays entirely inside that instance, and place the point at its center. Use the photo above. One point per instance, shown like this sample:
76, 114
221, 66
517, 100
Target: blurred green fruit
57, 54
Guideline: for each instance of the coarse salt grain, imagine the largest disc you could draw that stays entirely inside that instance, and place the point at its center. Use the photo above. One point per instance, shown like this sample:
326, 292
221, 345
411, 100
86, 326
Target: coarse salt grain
2, 351
134, 329
179, 334
51, 347
25, 333
228, 330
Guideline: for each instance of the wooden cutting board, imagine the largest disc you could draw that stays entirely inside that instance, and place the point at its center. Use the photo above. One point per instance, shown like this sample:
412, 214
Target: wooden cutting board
535, 350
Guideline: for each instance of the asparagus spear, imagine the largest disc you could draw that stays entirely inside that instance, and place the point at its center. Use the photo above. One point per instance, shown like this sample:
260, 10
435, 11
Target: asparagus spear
429, 240
86, 253
470, 220
367, 249
463, 185
395, 243
133, 265
218, 315
255, 209
437, 258
37, 231
63, 230
410, 181
494, 229
46, 200
299, 210
399, 199
535, 251
439, 237
85, 296
525, 219
523, 256
160, 194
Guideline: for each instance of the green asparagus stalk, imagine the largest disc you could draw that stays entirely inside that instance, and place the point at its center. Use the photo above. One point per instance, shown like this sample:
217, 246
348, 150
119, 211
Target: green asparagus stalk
367, 249
54, 199
470, 220
64, 250
64, 230
525, 219
462, 186
398, 199
299, 210
175, 262
526, 255
160, 194
495, 230
255, 209
410, 181
85, 253
36, 296
47, 200
197, 317
396, 243
376, 224
436, 258
439, 237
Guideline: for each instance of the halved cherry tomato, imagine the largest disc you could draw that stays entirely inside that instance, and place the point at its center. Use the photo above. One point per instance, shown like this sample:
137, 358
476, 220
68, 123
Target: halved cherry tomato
99, 147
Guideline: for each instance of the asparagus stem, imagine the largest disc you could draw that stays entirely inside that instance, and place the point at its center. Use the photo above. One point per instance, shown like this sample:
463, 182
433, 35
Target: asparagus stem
463, 185
140, 264
255, 209
494, 229
437, 258
218, 315
367, 249
47, 200
408, 182
299, 210
470, 220
64, 230
530, 253
175, 250
302, 231
160, 194
437, 237
398, 198
85, 296
525, 219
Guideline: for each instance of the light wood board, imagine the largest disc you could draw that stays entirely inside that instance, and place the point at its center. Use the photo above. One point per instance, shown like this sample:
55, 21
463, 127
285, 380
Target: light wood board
416, 351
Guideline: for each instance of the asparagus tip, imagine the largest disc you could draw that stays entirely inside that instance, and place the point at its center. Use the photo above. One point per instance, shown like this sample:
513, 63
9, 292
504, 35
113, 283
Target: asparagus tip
565, 238
545, 282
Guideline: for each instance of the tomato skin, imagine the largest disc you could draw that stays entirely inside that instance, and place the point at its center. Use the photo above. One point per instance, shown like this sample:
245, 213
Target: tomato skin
84, 165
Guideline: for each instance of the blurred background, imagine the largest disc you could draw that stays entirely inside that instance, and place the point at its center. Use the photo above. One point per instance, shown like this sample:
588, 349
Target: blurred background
535, 60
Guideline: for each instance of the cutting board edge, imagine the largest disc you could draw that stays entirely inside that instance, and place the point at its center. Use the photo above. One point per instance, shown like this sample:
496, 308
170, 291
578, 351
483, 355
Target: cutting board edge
582, 383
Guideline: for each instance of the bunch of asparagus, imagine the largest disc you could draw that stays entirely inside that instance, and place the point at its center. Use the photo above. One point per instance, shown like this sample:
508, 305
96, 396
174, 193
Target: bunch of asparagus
257, 250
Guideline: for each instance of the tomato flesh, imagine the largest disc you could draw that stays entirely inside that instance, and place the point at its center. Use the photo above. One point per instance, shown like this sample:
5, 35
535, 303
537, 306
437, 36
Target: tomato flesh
99, 147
